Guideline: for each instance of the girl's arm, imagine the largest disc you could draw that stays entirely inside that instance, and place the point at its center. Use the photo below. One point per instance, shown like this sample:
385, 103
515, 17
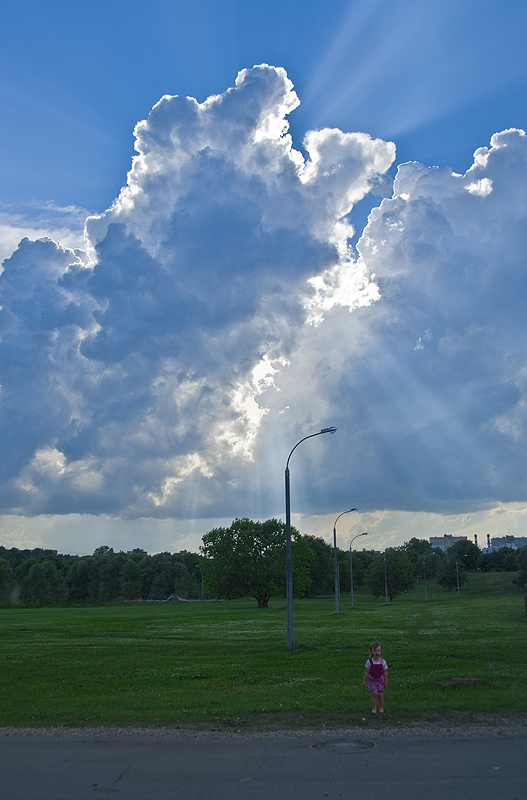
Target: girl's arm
366, 673
385, 676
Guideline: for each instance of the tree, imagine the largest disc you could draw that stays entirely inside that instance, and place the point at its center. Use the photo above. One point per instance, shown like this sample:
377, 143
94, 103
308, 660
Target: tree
449, 575
158, 576
467, 552
43, 584
6, 581
321, 569
502, 560
362, 560
110, 567
419, 551
184, 584
399, 573
248, 560
82, 580
521, 562
131, 580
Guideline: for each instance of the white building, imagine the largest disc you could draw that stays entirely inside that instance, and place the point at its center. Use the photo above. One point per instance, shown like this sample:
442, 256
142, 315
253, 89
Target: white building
445, 541
497, 542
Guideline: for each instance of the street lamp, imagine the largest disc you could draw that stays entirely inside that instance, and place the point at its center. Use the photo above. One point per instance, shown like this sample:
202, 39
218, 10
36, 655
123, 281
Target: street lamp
335, 558
288, 557
351, 563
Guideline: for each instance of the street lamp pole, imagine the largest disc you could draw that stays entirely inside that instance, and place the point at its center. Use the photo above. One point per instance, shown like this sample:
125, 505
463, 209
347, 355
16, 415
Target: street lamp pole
335, 562
288, 557
351, 563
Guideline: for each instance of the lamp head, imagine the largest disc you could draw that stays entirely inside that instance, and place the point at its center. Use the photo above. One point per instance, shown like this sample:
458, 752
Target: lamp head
328, 430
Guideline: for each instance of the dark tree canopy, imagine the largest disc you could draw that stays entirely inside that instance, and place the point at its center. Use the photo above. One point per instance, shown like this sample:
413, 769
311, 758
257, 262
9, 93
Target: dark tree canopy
321, 568
399, 573
521, 563
467, 552
6, 580
248, 560
449, 574
425, 559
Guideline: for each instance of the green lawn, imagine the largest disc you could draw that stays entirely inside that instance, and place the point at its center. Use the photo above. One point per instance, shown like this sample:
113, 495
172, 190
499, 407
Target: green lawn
227, 662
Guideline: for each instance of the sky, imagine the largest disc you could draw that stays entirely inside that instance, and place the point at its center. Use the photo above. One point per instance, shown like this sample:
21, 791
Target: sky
226, 226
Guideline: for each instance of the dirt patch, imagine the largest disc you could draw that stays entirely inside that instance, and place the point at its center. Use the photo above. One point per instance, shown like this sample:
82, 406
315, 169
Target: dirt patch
459, 725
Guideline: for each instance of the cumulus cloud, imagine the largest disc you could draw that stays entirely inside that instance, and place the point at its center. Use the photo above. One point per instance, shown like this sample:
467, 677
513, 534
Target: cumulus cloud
129, 382
429, 382
64, 224
219, 313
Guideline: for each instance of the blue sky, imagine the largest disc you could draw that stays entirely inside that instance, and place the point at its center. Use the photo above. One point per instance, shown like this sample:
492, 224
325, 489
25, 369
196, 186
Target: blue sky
224, 307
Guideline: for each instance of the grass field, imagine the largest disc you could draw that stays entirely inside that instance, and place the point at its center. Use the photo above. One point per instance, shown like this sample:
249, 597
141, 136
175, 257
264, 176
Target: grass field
226, 663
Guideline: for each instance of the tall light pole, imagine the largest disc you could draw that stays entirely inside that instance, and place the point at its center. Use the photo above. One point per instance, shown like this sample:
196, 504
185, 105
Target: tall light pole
335, 562
288, 556
351, 563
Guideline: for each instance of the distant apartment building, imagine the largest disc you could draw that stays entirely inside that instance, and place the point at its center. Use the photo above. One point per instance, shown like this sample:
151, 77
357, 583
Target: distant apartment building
445, 541
497, 542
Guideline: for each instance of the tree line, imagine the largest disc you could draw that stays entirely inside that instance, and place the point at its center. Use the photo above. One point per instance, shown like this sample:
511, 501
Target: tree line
246, 559
42, 577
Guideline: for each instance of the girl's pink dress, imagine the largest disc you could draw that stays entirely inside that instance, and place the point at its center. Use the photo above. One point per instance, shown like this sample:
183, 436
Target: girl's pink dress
375, 678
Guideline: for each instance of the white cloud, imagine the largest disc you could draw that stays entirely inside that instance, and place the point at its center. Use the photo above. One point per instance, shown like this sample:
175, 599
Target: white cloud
63, 224
223, 315
143, 393
428, 382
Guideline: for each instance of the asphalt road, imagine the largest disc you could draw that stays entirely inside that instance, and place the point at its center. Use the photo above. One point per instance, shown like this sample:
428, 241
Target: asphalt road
289, 767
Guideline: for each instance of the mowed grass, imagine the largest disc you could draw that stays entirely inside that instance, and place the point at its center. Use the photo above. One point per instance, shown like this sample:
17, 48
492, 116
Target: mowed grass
226, 663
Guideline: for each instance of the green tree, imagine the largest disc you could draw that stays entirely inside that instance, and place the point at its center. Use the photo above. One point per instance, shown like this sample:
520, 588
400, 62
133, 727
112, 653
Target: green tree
158, 576
82, 580
43, 585
399, 573
131, 580
321, 568
448, 574
502, 560
362, 560
248, 560
185, 584
110, 566
423, 558
521, 563
6, 581
466, 551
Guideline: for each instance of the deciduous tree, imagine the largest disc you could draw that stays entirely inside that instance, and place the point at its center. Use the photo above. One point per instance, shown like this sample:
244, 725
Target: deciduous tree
248, 560
43, 584
399, 574
6, 580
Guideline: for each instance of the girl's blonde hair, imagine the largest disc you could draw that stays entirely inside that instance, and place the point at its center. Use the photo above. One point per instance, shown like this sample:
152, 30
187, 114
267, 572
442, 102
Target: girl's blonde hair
373, 645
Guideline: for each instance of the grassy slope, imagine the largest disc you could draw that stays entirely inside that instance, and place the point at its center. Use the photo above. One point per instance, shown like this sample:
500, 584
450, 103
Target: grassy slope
163, 663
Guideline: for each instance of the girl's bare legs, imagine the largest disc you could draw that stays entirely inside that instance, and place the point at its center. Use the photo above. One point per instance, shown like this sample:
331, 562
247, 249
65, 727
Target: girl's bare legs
381, 702
374, 702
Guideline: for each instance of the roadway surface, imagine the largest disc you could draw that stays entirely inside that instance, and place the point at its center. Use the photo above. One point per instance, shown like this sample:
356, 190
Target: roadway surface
292, 767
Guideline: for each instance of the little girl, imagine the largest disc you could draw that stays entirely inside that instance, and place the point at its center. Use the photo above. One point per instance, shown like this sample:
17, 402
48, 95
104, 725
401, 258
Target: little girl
376, 677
